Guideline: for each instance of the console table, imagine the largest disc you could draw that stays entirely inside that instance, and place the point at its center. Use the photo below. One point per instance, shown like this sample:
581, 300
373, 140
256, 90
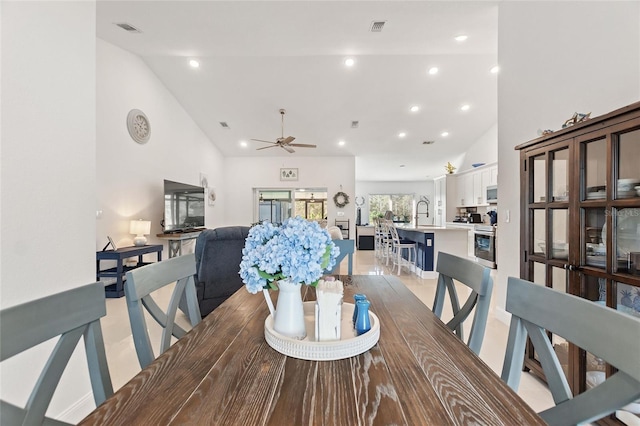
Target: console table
174, 241
118, 272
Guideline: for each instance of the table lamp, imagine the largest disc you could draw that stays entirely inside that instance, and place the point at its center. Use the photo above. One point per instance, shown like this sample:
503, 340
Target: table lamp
140, 228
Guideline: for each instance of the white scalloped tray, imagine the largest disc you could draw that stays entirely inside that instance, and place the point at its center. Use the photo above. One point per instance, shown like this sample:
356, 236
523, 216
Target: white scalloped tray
350, 344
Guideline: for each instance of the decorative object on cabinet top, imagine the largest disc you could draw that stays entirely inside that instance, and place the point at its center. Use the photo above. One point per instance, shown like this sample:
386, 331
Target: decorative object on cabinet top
449, 167
577, 117
478, 164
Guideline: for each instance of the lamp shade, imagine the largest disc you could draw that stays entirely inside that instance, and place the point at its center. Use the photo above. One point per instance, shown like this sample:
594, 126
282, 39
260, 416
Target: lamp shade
140, 228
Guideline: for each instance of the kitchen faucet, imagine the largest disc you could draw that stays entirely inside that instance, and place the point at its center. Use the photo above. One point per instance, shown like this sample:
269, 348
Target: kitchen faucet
424, 200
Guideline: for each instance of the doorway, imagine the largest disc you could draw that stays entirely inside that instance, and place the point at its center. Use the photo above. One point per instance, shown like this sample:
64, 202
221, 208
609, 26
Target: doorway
277, 205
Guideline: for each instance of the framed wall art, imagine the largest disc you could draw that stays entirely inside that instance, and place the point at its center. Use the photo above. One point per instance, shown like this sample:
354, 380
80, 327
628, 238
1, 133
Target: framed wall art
289, 174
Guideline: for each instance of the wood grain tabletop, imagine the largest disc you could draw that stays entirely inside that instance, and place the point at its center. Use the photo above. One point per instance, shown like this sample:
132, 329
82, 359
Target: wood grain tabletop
224, 373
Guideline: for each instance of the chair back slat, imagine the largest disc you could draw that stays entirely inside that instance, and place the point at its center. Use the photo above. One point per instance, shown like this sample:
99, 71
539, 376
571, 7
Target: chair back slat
566, 315
141, 282
472, 274
21, 329
70, 315
478, 279
601, 331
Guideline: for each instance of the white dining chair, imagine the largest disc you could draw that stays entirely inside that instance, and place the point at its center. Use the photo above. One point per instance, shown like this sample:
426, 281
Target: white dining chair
68, 315
604, 332
478, 279
141, 282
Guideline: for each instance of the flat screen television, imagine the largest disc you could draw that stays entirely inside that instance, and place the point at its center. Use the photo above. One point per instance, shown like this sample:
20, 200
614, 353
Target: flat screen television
183, 206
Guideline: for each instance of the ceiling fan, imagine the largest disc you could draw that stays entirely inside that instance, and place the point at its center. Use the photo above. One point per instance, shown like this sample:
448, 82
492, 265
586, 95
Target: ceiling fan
282, 142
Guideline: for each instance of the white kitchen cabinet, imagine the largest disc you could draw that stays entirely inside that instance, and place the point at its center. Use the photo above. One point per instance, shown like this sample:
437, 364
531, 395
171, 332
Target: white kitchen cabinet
439, 200
444, 199
485, 178
494, 175
478, 198
472, 186
465, 190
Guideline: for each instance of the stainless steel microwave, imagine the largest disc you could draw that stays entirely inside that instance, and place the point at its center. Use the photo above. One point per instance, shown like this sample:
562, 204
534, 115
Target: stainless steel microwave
492, 194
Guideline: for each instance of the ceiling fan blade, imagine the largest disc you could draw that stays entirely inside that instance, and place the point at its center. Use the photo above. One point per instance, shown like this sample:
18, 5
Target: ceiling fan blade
302, 145
260, 140
288, 140
286, 148
272, 146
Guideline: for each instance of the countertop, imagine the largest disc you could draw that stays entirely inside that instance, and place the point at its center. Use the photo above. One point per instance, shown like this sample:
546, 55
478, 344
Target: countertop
432, 228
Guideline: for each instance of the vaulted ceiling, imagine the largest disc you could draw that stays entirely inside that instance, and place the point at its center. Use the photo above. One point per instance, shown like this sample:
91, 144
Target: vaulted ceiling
256, 57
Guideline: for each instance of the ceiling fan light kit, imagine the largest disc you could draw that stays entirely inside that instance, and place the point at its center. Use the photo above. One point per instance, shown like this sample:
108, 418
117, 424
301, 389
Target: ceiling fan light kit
282, 142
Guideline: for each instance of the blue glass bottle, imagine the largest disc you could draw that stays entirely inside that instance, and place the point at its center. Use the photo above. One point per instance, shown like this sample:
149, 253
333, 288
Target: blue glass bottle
363, 322
356, 297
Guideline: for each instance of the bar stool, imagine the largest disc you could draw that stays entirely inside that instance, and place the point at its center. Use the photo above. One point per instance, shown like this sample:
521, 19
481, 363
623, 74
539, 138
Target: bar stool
380, 238
397, 247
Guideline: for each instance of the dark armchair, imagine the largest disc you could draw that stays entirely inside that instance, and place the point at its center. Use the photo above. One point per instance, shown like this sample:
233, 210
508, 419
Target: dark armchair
218, 255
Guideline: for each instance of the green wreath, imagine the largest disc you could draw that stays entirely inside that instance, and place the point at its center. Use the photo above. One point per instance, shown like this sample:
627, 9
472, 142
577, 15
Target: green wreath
341, 199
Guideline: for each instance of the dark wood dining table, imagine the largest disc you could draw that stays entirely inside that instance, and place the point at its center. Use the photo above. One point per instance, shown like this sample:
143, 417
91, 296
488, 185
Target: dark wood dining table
223, 372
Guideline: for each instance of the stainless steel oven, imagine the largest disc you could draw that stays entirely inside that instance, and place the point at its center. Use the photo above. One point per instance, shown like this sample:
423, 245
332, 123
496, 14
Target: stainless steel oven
485, 245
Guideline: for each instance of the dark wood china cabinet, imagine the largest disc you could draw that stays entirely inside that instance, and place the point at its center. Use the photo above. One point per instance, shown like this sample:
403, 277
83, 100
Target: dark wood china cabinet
580, 217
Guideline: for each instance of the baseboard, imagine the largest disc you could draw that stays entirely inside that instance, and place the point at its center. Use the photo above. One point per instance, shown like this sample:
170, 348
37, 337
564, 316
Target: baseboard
431, 275
502, 315
78, 411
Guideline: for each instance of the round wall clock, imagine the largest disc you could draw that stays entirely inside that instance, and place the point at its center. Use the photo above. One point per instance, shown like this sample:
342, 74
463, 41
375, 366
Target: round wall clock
138, 126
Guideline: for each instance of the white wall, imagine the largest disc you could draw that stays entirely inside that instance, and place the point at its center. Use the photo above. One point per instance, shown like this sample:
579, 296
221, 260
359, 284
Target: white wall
484, 150
47, 168
419, 188
555, 58
243, 174
129, 175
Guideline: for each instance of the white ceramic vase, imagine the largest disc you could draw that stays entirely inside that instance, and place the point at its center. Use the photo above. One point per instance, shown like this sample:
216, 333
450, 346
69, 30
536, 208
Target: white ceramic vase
289, 312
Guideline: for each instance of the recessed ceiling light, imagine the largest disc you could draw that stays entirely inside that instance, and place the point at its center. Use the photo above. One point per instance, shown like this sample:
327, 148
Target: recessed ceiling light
433, 70
465, 107
461, 37
349, 62
243, 144
495, 69
194, 63
341, 143
415, 108
444, 134
402, 134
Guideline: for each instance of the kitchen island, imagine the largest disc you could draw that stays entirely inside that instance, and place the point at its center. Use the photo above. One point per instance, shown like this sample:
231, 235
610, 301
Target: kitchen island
430, 240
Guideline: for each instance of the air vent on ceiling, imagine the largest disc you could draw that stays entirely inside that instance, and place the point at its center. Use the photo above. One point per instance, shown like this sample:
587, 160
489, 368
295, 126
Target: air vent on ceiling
428, 142
224, 125
377, 26
355, 124
128, 27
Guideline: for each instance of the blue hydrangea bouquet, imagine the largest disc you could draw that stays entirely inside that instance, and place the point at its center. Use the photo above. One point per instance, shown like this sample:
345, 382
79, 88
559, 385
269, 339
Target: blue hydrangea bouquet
299, 251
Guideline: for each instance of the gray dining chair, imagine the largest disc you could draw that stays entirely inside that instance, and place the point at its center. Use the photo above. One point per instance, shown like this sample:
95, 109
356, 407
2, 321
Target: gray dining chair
478, 279
601, 331
141, 282
71, 314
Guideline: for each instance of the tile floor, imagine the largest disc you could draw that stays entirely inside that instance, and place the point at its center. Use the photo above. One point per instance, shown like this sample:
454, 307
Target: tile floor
123, 363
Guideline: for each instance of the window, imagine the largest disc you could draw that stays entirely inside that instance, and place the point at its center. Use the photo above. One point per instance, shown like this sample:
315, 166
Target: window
400, 204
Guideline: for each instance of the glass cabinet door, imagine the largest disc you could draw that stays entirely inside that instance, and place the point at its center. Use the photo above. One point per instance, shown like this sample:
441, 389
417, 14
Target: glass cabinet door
595, 169
580, 217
